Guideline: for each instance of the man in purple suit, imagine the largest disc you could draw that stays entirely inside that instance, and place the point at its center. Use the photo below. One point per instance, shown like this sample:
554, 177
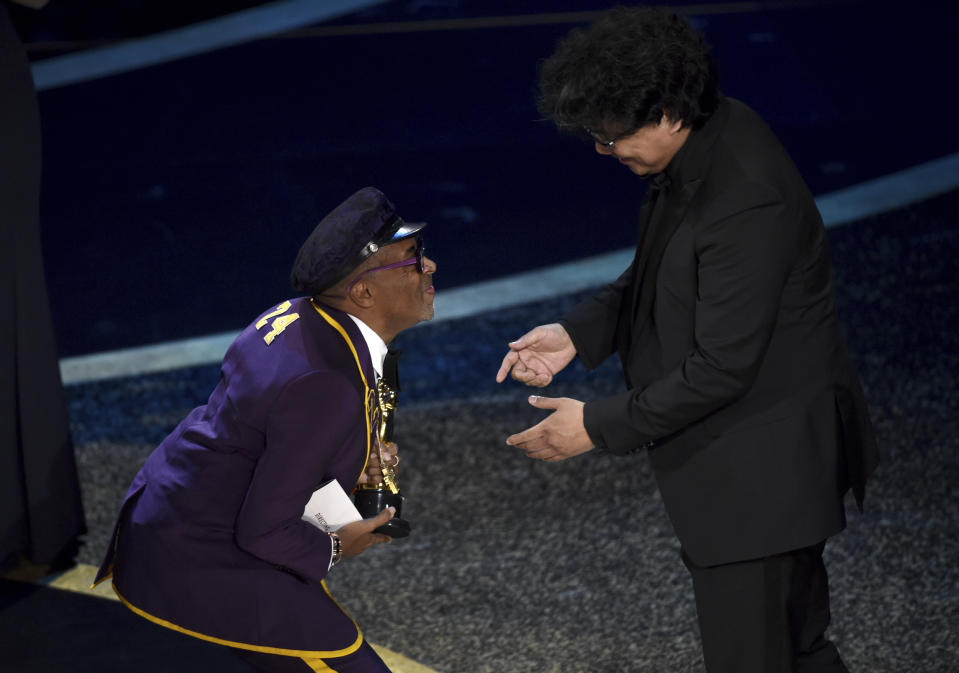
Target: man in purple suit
210, 540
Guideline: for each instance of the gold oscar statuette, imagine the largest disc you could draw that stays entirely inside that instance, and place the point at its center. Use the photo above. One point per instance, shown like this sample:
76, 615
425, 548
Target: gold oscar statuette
372, 498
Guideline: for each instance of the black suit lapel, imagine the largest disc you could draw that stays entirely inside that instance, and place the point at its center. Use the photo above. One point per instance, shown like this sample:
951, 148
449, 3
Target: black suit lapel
624, 323
662, 212
650, 229
665, 221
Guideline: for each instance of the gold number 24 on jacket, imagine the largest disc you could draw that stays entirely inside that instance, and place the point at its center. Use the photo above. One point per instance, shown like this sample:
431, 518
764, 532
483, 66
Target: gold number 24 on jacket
278, 325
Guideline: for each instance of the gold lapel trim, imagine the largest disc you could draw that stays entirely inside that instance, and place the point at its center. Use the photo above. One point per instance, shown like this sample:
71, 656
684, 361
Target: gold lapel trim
369, 393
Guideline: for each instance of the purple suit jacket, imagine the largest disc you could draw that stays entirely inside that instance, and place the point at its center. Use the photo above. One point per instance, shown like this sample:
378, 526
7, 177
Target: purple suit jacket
209, 540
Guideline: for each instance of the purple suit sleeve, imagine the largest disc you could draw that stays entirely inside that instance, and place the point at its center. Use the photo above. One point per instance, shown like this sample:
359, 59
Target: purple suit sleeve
316, 417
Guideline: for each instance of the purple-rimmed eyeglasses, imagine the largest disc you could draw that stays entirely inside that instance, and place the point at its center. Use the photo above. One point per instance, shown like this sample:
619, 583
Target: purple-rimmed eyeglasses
416, 259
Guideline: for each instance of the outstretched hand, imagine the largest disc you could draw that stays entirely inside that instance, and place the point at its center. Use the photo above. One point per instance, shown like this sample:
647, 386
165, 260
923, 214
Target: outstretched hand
538, 355
559, 436
358, 536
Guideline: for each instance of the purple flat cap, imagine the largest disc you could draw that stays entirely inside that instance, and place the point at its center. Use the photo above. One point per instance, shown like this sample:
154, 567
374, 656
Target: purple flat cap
342, 240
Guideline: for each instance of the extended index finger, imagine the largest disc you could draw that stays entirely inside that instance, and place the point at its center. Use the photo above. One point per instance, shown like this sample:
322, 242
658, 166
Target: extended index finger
511, 359
526, 435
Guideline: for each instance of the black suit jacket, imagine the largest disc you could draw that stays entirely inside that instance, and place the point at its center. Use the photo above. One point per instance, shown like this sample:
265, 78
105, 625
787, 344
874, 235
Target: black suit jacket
740, 384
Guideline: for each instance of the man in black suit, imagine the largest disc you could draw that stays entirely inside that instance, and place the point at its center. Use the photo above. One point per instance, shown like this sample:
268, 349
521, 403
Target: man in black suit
739, 383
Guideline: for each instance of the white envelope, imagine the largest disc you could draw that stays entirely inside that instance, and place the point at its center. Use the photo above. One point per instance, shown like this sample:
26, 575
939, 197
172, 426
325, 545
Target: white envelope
330, 508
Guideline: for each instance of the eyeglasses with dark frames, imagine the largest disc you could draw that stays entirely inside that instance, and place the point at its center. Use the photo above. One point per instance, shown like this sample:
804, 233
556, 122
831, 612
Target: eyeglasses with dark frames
417, 259
608, 144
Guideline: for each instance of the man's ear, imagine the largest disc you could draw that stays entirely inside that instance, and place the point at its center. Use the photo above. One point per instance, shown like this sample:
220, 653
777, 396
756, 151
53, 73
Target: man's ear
363, 294
672, 125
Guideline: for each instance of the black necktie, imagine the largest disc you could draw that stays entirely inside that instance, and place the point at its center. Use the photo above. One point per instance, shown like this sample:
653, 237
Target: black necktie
391, 372
658, 184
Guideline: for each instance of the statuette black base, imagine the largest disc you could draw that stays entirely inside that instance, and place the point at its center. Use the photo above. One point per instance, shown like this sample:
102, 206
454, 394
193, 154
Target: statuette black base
371, 501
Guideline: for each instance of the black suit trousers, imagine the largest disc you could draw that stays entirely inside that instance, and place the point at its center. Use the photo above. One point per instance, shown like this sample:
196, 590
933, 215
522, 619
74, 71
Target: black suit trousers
767, 615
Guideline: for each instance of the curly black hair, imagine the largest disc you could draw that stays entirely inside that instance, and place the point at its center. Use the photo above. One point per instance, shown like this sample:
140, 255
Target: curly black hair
625, 70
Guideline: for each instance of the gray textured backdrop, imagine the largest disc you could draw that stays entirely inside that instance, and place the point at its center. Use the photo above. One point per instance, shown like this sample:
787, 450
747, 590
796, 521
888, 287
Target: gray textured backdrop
516, 566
